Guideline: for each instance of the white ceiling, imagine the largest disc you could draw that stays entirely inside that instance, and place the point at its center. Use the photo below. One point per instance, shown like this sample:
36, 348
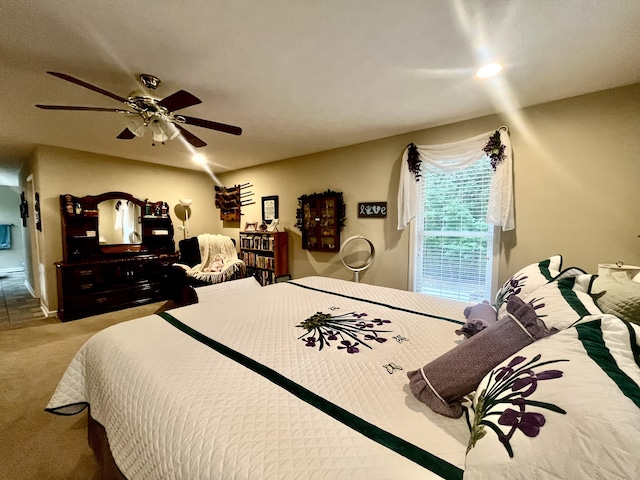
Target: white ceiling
298, 76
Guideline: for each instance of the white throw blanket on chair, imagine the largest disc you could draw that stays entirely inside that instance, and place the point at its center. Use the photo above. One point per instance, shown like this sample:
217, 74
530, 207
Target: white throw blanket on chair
219, 259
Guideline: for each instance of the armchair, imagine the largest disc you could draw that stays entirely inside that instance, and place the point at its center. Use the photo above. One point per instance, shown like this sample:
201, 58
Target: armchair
205, 260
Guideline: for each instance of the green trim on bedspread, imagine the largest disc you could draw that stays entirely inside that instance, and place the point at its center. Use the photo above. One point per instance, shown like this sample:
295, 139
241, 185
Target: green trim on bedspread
565, 285
635, 349
544, 269
393, 307
590, 334
397, 444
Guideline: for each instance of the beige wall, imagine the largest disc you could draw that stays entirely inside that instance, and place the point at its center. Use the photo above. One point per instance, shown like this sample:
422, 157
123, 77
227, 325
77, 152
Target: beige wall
576, 164
576, 181
59, 171
364, 173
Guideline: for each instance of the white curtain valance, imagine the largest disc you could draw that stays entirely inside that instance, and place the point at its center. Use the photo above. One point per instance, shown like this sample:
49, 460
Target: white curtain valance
449, 157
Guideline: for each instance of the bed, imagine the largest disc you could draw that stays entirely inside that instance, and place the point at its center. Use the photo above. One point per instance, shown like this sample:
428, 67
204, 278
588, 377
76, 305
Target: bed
308, 379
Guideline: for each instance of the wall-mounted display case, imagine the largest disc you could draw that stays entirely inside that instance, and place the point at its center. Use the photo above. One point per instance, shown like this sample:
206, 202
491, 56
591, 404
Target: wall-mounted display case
320, 218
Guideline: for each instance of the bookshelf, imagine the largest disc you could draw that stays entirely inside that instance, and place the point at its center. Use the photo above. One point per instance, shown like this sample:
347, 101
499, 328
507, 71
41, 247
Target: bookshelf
265, 255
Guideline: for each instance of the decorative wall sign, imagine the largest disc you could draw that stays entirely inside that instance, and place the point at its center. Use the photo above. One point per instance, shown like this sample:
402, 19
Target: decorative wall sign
372, 210
269, 208
24, 209
36, 209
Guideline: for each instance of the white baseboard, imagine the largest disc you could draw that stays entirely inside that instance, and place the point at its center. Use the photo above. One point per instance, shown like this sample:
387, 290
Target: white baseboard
30, 288
12, 270
47, 313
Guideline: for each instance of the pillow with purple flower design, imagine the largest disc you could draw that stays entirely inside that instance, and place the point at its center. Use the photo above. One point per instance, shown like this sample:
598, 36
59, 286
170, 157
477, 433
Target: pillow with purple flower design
563, 407
562, 302
529, 278
565, 291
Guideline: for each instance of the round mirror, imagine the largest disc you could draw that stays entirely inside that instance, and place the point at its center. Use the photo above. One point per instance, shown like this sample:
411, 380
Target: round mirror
354, 257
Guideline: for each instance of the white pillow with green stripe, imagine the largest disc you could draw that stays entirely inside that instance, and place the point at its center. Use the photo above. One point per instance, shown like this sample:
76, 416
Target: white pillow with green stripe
566, 406
563, 301
529, 278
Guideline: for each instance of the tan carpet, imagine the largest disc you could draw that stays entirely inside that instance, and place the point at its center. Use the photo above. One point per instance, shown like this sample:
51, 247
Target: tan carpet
35, 444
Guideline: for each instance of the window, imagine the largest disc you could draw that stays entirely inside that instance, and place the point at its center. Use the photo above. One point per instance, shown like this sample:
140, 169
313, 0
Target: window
455, 250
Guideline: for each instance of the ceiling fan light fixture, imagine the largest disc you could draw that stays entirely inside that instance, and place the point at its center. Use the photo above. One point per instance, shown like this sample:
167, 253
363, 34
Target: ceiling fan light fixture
163, 130
135, 123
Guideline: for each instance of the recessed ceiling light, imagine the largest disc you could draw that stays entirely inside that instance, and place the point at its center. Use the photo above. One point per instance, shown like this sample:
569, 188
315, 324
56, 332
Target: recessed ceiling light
489, 70
199, 159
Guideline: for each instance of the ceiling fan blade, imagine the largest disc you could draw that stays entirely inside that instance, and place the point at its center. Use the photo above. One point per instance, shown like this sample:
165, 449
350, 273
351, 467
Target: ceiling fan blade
180, 99
221, 127
190, 137
88, 109
84, 84
126, 134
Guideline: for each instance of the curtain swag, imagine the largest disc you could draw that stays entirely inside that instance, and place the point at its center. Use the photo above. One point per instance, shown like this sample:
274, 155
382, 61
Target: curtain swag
449, 157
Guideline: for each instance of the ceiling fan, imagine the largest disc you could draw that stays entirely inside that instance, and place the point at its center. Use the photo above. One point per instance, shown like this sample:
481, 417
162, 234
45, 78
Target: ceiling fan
150, 112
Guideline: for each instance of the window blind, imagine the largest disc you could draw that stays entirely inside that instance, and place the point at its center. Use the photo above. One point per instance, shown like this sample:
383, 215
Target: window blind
455, 244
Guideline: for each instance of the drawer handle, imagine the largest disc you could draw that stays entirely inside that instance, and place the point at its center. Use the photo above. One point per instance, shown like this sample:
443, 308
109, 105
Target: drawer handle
101, 300
85, 272
86, 286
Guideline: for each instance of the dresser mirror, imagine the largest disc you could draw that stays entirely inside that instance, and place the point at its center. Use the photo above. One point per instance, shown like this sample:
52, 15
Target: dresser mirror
119, 222
114, 223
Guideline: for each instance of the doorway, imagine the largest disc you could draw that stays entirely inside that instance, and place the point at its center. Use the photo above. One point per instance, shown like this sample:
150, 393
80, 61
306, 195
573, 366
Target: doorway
34, 271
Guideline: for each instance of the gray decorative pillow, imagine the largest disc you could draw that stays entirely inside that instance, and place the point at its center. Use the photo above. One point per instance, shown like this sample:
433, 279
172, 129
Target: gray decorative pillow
478, 317
618, 295
442, 383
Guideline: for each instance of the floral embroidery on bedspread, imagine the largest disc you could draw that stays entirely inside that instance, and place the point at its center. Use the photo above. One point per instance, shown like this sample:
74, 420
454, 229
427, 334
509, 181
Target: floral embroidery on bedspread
513, 286
352, 330
513, 385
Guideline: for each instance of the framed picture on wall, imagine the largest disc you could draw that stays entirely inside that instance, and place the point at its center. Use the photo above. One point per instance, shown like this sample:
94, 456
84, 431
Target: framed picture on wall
269, 208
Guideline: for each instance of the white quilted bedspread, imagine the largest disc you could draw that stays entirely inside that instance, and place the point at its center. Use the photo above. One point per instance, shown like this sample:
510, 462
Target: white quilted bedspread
175, 408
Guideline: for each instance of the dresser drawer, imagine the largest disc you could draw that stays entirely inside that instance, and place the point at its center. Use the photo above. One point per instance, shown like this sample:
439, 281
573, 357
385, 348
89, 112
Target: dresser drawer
146, 293
85, 305
81, 272
83, 279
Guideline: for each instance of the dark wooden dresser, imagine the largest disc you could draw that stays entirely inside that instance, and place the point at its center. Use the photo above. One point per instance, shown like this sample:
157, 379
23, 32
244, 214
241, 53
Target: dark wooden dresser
92, 287
97, 276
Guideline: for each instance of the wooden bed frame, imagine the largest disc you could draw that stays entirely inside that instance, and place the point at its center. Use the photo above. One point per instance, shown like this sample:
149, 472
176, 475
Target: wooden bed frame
97, 437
